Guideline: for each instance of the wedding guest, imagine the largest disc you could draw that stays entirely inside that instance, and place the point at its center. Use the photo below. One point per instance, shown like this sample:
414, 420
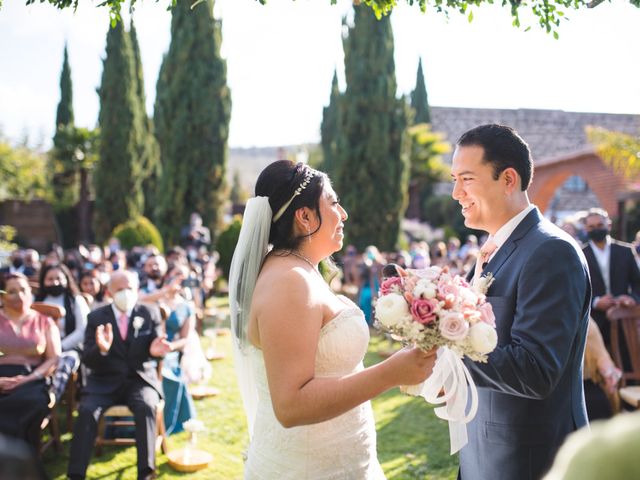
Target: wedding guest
299, 347
58, 287
601, 376
30, 345
91, 284
122, 342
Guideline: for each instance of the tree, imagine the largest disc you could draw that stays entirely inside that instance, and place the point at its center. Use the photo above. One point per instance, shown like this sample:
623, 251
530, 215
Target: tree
549, 13
63, 175
620, 151
148, 148
372, 171
237, 195
120, 170
419, 98
192, 113
23, 173
426, 168
330, 128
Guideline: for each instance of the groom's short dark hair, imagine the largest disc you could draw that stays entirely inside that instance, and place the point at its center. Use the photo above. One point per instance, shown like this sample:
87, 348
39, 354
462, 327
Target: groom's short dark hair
503, 148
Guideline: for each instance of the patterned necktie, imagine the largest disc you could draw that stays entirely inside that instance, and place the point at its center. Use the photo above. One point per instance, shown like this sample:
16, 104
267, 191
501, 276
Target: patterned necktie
123, 325
483, 257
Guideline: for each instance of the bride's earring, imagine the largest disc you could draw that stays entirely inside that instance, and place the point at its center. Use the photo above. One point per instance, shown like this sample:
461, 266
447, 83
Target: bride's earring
308, 234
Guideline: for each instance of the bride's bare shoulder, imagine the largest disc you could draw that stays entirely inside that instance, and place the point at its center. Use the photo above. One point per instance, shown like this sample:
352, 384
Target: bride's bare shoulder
282, 276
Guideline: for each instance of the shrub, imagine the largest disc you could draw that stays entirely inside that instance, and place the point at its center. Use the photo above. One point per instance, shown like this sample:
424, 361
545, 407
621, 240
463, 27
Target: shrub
138, 232
226, 244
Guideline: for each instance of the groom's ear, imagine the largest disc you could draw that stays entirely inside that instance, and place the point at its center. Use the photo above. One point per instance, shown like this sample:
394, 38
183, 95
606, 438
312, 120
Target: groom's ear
511, 180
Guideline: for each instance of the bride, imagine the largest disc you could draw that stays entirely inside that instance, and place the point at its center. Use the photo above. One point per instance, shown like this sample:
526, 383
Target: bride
299, 347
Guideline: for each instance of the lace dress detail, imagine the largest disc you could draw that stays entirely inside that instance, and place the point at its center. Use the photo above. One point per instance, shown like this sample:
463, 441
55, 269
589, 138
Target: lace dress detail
341, 448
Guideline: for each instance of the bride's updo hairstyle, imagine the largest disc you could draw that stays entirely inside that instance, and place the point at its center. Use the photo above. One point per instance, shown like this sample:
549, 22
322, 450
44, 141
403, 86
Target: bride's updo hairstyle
279, 182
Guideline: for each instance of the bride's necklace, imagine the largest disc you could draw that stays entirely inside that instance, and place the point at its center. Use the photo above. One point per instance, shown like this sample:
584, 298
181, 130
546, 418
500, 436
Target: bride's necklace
301, 257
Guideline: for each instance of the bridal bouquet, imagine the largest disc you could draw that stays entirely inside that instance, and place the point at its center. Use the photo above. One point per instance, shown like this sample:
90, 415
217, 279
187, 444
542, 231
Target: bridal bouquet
432, 308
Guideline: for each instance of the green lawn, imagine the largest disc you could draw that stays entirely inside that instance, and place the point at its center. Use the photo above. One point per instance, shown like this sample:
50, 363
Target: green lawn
412, 442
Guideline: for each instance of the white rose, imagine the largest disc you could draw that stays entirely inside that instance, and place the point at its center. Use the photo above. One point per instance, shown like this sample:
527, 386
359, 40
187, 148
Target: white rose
392, 310
425, 289
467, 296
483, 337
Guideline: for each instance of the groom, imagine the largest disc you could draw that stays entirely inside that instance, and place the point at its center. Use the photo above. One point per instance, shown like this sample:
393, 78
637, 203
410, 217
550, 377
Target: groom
530, 391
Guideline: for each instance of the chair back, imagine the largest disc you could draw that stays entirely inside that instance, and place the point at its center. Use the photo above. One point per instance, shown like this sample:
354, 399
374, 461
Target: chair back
628, 318
54, 311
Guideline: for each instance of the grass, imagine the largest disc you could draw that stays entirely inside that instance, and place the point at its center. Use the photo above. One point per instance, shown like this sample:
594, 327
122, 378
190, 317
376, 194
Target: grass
412, 442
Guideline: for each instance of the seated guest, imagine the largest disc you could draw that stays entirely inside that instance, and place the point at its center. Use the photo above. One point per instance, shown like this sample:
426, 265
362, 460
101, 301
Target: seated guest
58, 287
90, 284
121, 342
31, 263
153, 271
30, 345
601, 376
186, 363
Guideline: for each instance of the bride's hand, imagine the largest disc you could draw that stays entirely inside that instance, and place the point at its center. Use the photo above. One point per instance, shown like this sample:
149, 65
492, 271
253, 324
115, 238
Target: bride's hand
412, 365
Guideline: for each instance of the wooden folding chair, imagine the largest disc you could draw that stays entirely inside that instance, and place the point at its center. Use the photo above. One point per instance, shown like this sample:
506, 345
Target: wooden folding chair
627, 321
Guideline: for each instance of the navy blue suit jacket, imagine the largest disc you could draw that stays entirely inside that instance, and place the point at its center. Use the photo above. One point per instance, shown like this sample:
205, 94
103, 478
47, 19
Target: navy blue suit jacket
126, 359
530, 391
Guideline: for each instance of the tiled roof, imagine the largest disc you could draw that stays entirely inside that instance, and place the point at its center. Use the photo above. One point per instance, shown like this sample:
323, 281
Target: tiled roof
549, 133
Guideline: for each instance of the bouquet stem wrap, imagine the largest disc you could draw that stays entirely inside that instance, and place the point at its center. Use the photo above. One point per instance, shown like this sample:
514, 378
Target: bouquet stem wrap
452, 377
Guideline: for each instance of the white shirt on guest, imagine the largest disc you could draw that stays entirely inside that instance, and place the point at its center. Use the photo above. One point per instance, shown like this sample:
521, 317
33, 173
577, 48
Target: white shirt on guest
80, 312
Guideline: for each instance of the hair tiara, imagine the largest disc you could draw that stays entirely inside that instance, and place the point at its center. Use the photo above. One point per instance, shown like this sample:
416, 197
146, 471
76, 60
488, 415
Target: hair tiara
309, 174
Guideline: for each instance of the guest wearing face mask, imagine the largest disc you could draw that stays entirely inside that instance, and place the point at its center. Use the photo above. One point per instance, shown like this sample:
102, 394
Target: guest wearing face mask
615, 276
57, 286
121, 342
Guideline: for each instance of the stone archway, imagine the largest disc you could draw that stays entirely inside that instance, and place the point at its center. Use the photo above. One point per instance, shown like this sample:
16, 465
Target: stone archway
550, 174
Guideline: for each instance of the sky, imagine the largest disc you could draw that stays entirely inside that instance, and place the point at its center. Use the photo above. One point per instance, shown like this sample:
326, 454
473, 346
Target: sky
281, 58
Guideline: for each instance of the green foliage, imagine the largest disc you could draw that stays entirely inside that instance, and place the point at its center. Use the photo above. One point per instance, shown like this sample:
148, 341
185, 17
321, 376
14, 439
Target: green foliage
64, 114
330, 129
75, 149
426, 167
23, 173
192, 113
372, 168
120, 170
549, 13
419, 99
238, 194
443, 211
7, 234
148, 148
138, 232
620, 151
226, 244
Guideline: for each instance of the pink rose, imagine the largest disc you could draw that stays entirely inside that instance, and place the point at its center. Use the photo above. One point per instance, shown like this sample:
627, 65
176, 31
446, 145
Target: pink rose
454, 327
391, 284
486, 314
445, 289
423, 310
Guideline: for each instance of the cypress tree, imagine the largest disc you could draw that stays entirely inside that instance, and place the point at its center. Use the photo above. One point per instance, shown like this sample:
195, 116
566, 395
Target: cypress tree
330, 128
64, 114
61, 167
148, 149
192, 113
419, 99
119, 172
373, 162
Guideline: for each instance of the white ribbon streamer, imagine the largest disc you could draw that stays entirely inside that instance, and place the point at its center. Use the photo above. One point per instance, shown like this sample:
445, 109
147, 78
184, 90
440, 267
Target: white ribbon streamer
452, 377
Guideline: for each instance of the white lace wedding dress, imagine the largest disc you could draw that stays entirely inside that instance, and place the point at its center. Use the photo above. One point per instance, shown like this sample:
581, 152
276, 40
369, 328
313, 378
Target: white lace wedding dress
341, 448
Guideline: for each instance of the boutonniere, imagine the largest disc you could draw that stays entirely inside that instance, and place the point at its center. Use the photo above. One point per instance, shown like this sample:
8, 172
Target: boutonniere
484, 282
137, 325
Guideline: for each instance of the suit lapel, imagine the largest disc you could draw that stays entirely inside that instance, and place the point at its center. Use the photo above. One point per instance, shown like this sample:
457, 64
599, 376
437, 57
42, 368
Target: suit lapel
505, 251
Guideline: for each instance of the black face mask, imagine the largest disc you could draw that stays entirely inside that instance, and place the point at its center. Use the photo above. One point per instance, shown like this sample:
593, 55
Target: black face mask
54, 290
598, 234
17, 262
154, 275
